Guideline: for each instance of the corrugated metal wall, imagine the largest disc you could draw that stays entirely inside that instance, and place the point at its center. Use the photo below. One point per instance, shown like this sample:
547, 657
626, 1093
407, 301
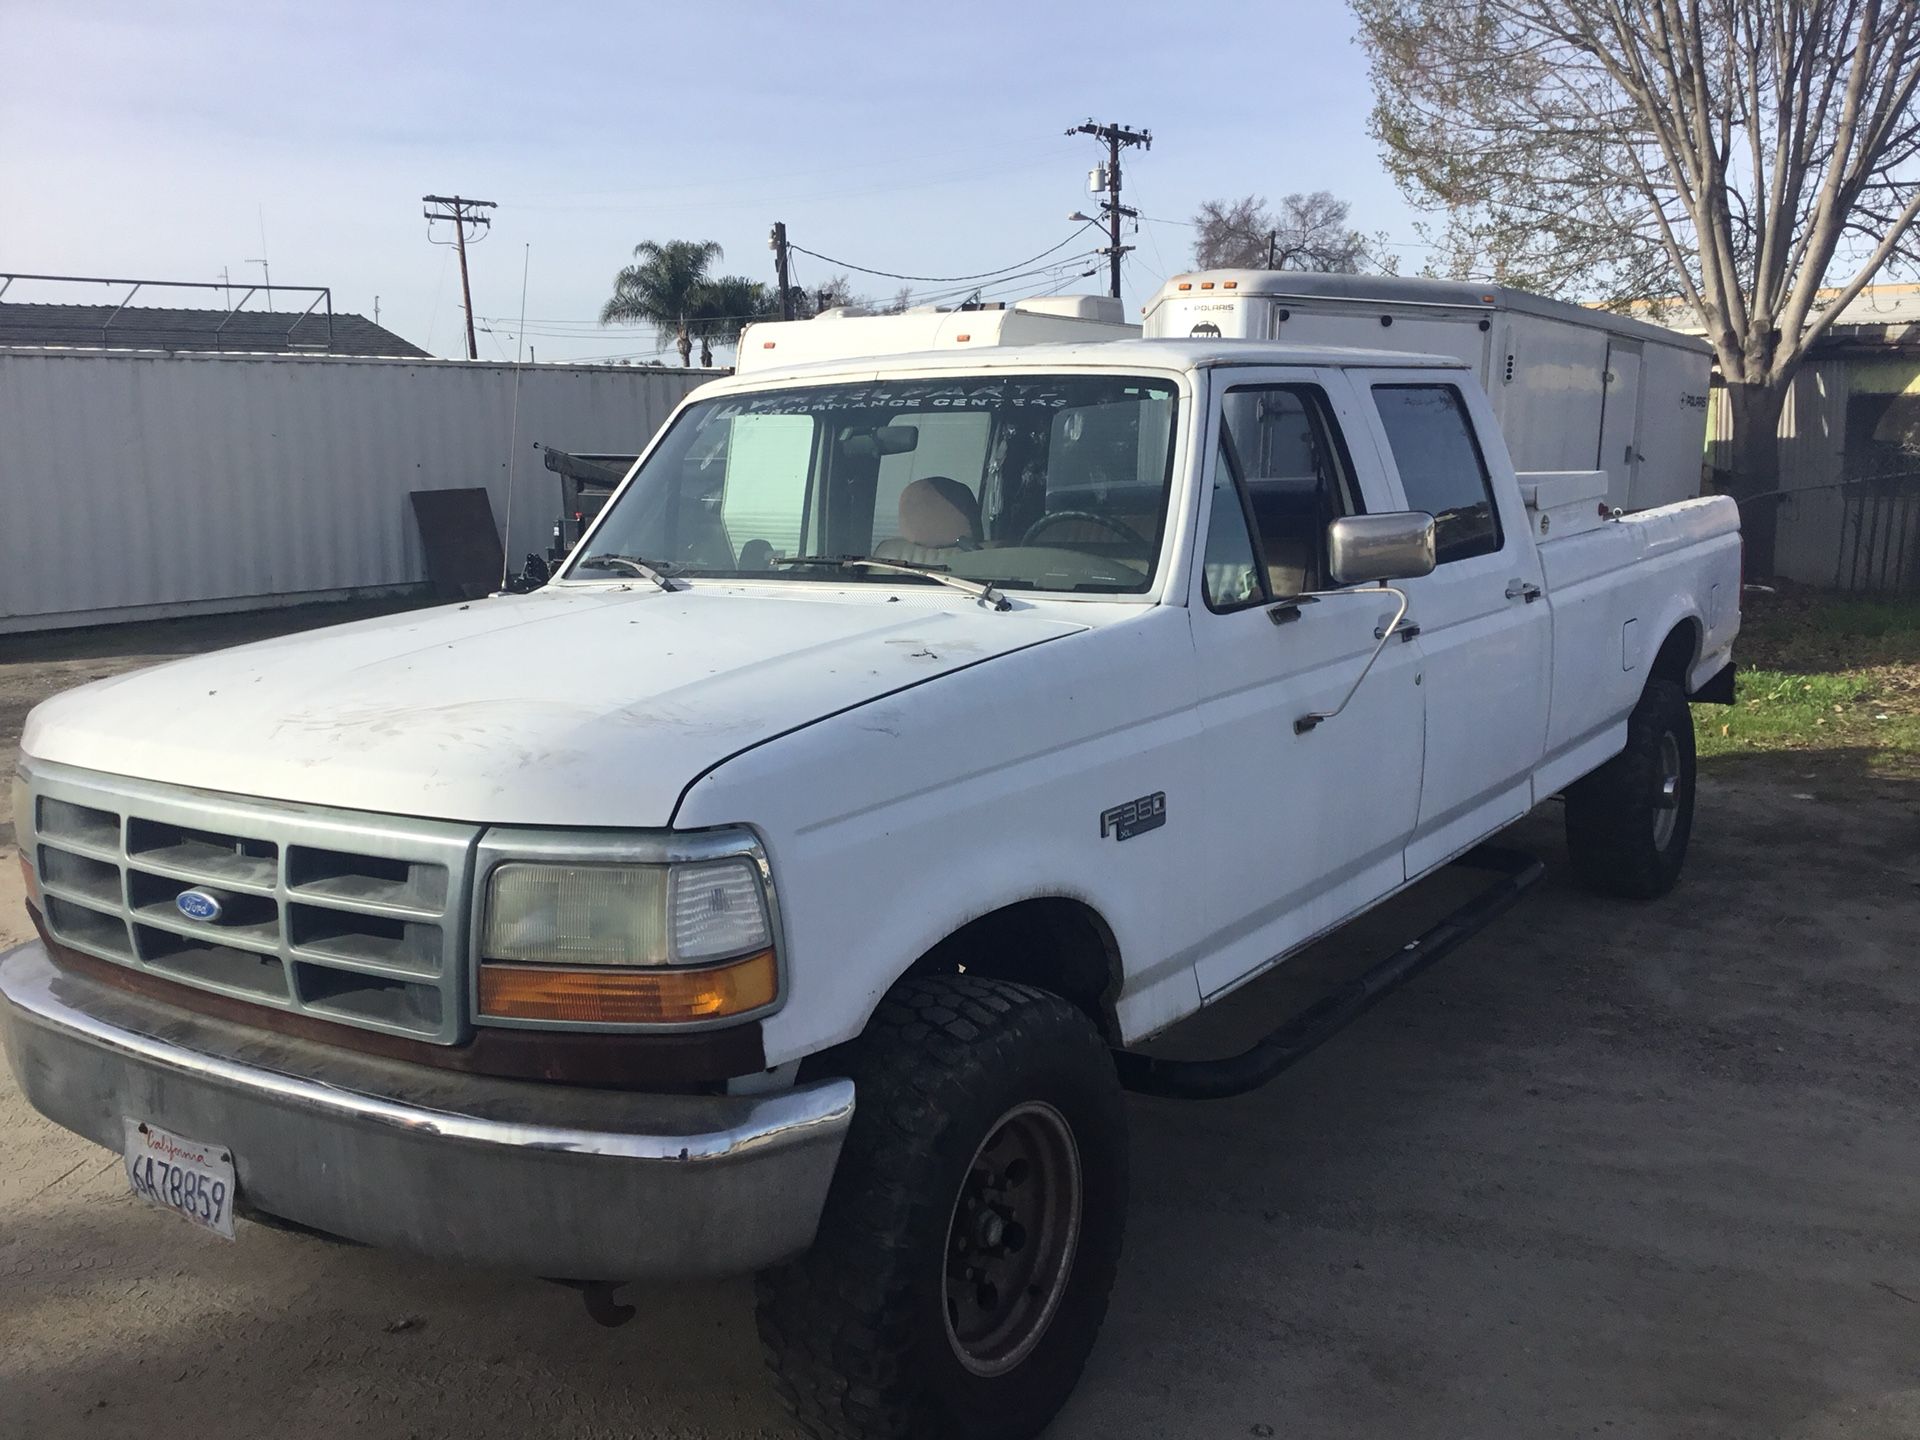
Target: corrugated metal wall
137, 484
1813, 443
1852, 519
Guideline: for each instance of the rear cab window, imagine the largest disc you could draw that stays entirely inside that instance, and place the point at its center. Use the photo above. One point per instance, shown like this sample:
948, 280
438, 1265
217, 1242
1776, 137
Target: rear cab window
1442, 469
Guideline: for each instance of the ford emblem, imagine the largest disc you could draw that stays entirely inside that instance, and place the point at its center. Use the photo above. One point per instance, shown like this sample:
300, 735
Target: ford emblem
198, 905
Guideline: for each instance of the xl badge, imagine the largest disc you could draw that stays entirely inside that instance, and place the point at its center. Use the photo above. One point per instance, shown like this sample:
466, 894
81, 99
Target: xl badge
1136, 817
198, 905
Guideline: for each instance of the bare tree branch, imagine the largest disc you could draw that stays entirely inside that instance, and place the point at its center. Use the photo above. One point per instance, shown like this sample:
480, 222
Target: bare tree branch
1306, 232
1735, 153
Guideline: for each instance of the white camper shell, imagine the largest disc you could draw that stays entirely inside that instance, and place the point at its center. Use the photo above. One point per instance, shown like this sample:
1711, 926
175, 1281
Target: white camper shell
1575, 389
848, 332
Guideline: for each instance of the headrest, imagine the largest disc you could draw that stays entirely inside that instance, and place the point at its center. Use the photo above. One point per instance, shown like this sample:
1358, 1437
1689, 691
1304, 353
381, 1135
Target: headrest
938, 511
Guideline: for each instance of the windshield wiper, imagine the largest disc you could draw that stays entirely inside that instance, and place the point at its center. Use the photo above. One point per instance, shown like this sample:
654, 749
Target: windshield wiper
979, 589
633, 565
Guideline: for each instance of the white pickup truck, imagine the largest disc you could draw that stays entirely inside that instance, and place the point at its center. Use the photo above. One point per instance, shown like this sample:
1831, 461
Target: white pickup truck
786, 885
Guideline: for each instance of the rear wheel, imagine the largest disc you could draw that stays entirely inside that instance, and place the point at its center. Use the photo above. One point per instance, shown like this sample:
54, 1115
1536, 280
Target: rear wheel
974, 1225
1628, 822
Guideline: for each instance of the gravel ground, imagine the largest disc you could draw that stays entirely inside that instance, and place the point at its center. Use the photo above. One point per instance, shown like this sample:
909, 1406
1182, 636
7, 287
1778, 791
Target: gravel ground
1610, 1170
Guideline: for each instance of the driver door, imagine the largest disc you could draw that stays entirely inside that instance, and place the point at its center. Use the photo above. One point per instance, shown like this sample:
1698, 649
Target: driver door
1301, 830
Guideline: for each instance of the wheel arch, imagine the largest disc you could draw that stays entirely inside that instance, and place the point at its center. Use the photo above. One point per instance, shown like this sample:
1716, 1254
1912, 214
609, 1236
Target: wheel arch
1678, 652
1058, 943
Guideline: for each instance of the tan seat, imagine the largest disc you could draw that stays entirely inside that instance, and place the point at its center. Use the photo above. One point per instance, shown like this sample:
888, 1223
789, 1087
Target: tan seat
938, 518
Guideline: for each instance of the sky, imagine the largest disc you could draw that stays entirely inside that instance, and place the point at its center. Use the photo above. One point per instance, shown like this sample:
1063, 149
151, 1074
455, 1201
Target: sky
182, 141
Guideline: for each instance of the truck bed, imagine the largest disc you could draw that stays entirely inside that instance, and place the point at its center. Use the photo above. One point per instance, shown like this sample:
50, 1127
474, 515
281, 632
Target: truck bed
1618, 590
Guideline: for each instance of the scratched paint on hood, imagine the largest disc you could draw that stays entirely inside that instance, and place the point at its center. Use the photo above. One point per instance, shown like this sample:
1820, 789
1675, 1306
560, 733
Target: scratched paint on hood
570, 706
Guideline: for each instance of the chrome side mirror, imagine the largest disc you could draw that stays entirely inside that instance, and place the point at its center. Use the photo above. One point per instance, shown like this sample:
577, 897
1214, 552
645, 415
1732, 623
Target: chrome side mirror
1395, 546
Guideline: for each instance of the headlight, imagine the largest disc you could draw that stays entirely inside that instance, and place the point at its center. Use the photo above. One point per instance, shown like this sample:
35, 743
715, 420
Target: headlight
625, 914
626, 944
577, 915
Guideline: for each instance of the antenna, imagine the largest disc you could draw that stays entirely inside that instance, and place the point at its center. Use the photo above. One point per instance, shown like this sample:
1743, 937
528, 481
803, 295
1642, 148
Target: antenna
513, 433
262, 261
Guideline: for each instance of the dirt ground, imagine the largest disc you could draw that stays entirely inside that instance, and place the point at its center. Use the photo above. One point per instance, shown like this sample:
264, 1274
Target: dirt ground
1609, 1170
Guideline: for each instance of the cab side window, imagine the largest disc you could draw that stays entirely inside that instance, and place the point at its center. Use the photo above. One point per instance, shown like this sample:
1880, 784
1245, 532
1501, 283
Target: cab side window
1230, 571
1297, 475
1441, 467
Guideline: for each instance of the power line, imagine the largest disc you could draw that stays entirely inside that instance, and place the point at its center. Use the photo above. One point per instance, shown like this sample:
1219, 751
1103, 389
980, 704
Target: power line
462, 212
587, 328
937, 279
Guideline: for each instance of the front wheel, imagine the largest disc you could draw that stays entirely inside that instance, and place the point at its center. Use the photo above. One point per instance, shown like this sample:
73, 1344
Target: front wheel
973, 1228
1629, 821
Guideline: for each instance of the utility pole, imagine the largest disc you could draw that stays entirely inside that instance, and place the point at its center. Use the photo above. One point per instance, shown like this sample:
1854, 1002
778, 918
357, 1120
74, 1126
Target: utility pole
1273, 243
777, 242
1118, 137
462, 212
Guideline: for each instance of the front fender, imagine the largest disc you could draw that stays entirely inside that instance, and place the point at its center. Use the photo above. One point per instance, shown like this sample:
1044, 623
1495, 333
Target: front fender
891, 826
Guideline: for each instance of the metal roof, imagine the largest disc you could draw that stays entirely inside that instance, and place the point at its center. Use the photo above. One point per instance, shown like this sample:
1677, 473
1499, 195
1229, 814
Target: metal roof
130, 327
1416, 291
1168, 354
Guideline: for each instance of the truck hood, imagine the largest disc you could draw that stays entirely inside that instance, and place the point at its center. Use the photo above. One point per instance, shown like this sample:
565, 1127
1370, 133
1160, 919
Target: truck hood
569, 706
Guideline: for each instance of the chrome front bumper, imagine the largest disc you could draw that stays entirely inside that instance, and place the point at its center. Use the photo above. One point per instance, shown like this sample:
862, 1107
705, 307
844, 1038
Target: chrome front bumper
544, 1179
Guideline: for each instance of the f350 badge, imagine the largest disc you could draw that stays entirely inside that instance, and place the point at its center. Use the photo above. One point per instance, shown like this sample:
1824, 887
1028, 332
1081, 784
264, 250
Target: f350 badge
1136, 817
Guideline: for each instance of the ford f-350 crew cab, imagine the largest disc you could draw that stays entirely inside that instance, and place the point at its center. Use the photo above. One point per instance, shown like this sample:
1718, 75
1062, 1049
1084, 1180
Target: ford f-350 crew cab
771, 890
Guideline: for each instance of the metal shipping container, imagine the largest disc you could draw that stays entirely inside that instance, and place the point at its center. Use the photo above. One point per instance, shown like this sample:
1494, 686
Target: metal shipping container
140, 484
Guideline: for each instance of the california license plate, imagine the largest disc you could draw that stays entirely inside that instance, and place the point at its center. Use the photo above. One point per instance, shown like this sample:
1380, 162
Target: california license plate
189, 1177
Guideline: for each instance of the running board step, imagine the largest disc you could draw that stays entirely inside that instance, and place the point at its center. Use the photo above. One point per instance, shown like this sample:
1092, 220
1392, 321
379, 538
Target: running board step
1334, 1011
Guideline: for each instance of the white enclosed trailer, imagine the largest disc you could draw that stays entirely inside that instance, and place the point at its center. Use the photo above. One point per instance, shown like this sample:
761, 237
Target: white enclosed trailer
1575, 389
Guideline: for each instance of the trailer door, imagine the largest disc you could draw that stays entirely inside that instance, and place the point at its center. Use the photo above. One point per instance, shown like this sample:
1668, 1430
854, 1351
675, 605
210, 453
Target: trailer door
1619, 421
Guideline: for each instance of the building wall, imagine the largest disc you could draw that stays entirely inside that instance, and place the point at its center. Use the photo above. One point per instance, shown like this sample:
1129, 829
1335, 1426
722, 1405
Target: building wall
1849, 453
136, 484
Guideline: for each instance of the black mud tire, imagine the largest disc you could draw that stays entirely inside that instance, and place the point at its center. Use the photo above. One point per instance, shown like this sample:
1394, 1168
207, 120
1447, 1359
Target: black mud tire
1628, 822
857, 1331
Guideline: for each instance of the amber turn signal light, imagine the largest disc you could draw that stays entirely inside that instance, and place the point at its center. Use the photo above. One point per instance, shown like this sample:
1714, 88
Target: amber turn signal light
628, 997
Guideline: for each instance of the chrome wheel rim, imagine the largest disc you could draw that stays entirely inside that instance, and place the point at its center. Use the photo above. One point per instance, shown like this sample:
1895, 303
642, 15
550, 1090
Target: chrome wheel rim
1666, 799
1011, 1239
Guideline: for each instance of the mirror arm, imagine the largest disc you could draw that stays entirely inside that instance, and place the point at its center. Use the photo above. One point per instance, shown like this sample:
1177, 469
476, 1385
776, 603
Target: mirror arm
1312, 719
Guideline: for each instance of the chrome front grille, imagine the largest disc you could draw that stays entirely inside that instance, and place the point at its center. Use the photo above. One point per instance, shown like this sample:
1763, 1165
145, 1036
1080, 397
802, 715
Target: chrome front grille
350, 917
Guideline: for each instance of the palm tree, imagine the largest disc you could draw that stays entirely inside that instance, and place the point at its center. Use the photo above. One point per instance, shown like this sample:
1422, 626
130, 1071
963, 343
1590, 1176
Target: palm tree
663, 288
723, 306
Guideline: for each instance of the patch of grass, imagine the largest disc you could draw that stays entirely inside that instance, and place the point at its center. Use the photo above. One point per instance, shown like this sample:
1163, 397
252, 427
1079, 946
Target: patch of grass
1823, 672
1808, 630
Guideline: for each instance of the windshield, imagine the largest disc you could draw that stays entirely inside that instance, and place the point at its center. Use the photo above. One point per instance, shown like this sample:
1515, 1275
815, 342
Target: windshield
1036, 482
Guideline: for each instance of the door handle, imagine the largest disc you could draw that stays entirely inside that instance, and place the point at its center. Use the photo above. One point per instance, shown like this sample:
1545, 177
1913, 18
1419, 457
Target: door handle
1406, 630
1522, 590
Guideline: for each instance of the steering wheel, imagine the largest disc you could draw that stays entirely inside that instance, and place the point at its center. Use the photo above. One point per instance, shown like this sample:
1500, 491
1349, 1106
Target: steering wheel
1118, 527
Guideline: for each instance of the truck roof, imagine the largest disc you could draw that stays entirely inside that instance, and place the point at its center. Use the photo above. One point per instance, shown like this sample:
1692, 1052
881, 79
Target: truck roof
1170, 354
